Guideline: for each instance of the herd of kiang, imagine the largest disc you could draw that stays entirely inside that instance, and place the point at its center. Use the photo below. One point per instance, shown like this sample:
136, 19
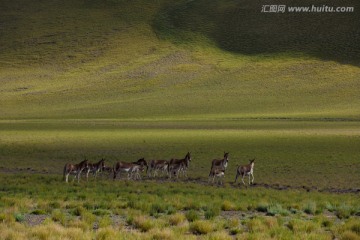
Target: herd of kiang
170, 168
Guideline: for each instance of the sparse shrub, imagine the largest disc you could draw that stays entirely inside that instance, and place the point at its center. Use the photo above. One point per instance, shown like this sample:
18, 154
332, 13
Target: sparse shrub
201, 227
19, 217
177, 219
192, 215
227, 206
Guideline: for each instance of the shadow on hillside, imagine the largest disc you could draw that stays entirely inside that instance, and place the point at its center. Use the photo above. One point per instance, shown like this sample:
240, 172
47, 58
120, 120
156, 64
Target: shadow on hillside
240, 26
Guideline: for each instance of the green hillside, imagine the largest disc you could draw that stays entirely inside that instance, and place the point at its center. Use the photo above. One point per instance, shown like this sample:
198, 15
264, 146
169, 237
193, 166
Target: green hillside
175, 60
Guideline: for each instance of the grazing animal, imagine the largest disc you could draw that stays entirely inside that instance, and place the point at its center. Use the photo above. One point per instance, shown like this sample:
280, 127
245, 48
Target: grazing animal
221, 162
181, 164
177, 168
130, 168
74, 169
217, 172
158, 165
246, 170
142, 162
94, 168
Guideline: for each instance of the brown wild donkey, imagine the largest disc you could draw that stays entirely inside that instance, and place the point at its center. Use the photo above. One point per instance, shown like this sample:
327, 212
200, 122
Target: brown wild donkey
177, 166
217, 172
75, 169
95, 168
246, 170
220, 162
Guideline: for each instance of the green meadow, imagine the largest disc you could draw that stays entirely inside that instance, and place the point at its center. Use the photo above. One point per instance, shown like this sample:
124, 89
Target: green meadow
122, 80
296, 153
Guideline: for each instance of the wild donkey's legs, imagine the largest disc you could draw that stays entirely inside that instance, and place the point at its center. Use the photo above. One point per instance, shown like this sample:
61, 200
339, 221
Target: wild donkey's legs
243, 175
237, 175
252, 181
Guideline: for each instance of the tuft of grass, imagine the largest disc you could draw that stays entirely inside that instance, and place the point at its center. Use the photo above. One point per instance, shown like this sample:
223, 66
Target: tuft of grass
162, 234
201, 227
220, 235
58, 216
38, 212
343, 211
228, 206
310, 207
211, 212
177, 219
262, 207
277, 209
349, 235
106, 233
192, 215
143, 223
105, 221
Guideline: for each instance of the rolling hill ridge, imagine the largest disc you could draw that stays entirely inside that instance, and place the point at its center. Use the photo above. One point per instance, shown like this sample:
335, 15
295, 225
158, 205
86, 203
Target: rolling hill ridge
175, 60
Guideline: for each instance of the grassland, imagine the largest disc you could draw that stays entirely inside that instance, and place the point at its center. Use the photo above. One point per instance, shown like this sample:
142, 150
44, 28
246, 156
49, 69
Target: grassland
143, 210
122, 80
127, 59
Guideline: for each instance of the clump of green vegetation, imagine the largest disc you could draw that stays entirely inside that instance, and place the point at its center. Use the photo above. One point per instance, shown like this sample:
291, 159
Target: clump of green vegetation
276, 209
38, 212
19, 217
343, 211
262, 207
310, 207
192, 215
211, 212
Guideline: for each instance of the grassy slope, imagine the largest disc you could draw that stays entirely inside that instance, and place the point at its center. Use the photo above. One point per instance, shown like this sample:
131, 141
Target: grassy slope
125, 59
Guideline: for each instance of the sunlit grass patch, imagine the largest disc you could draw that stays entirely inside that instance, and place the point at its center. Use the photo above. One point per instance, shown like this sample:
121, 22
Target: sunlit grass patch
143, 223
177, 219
201, 227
